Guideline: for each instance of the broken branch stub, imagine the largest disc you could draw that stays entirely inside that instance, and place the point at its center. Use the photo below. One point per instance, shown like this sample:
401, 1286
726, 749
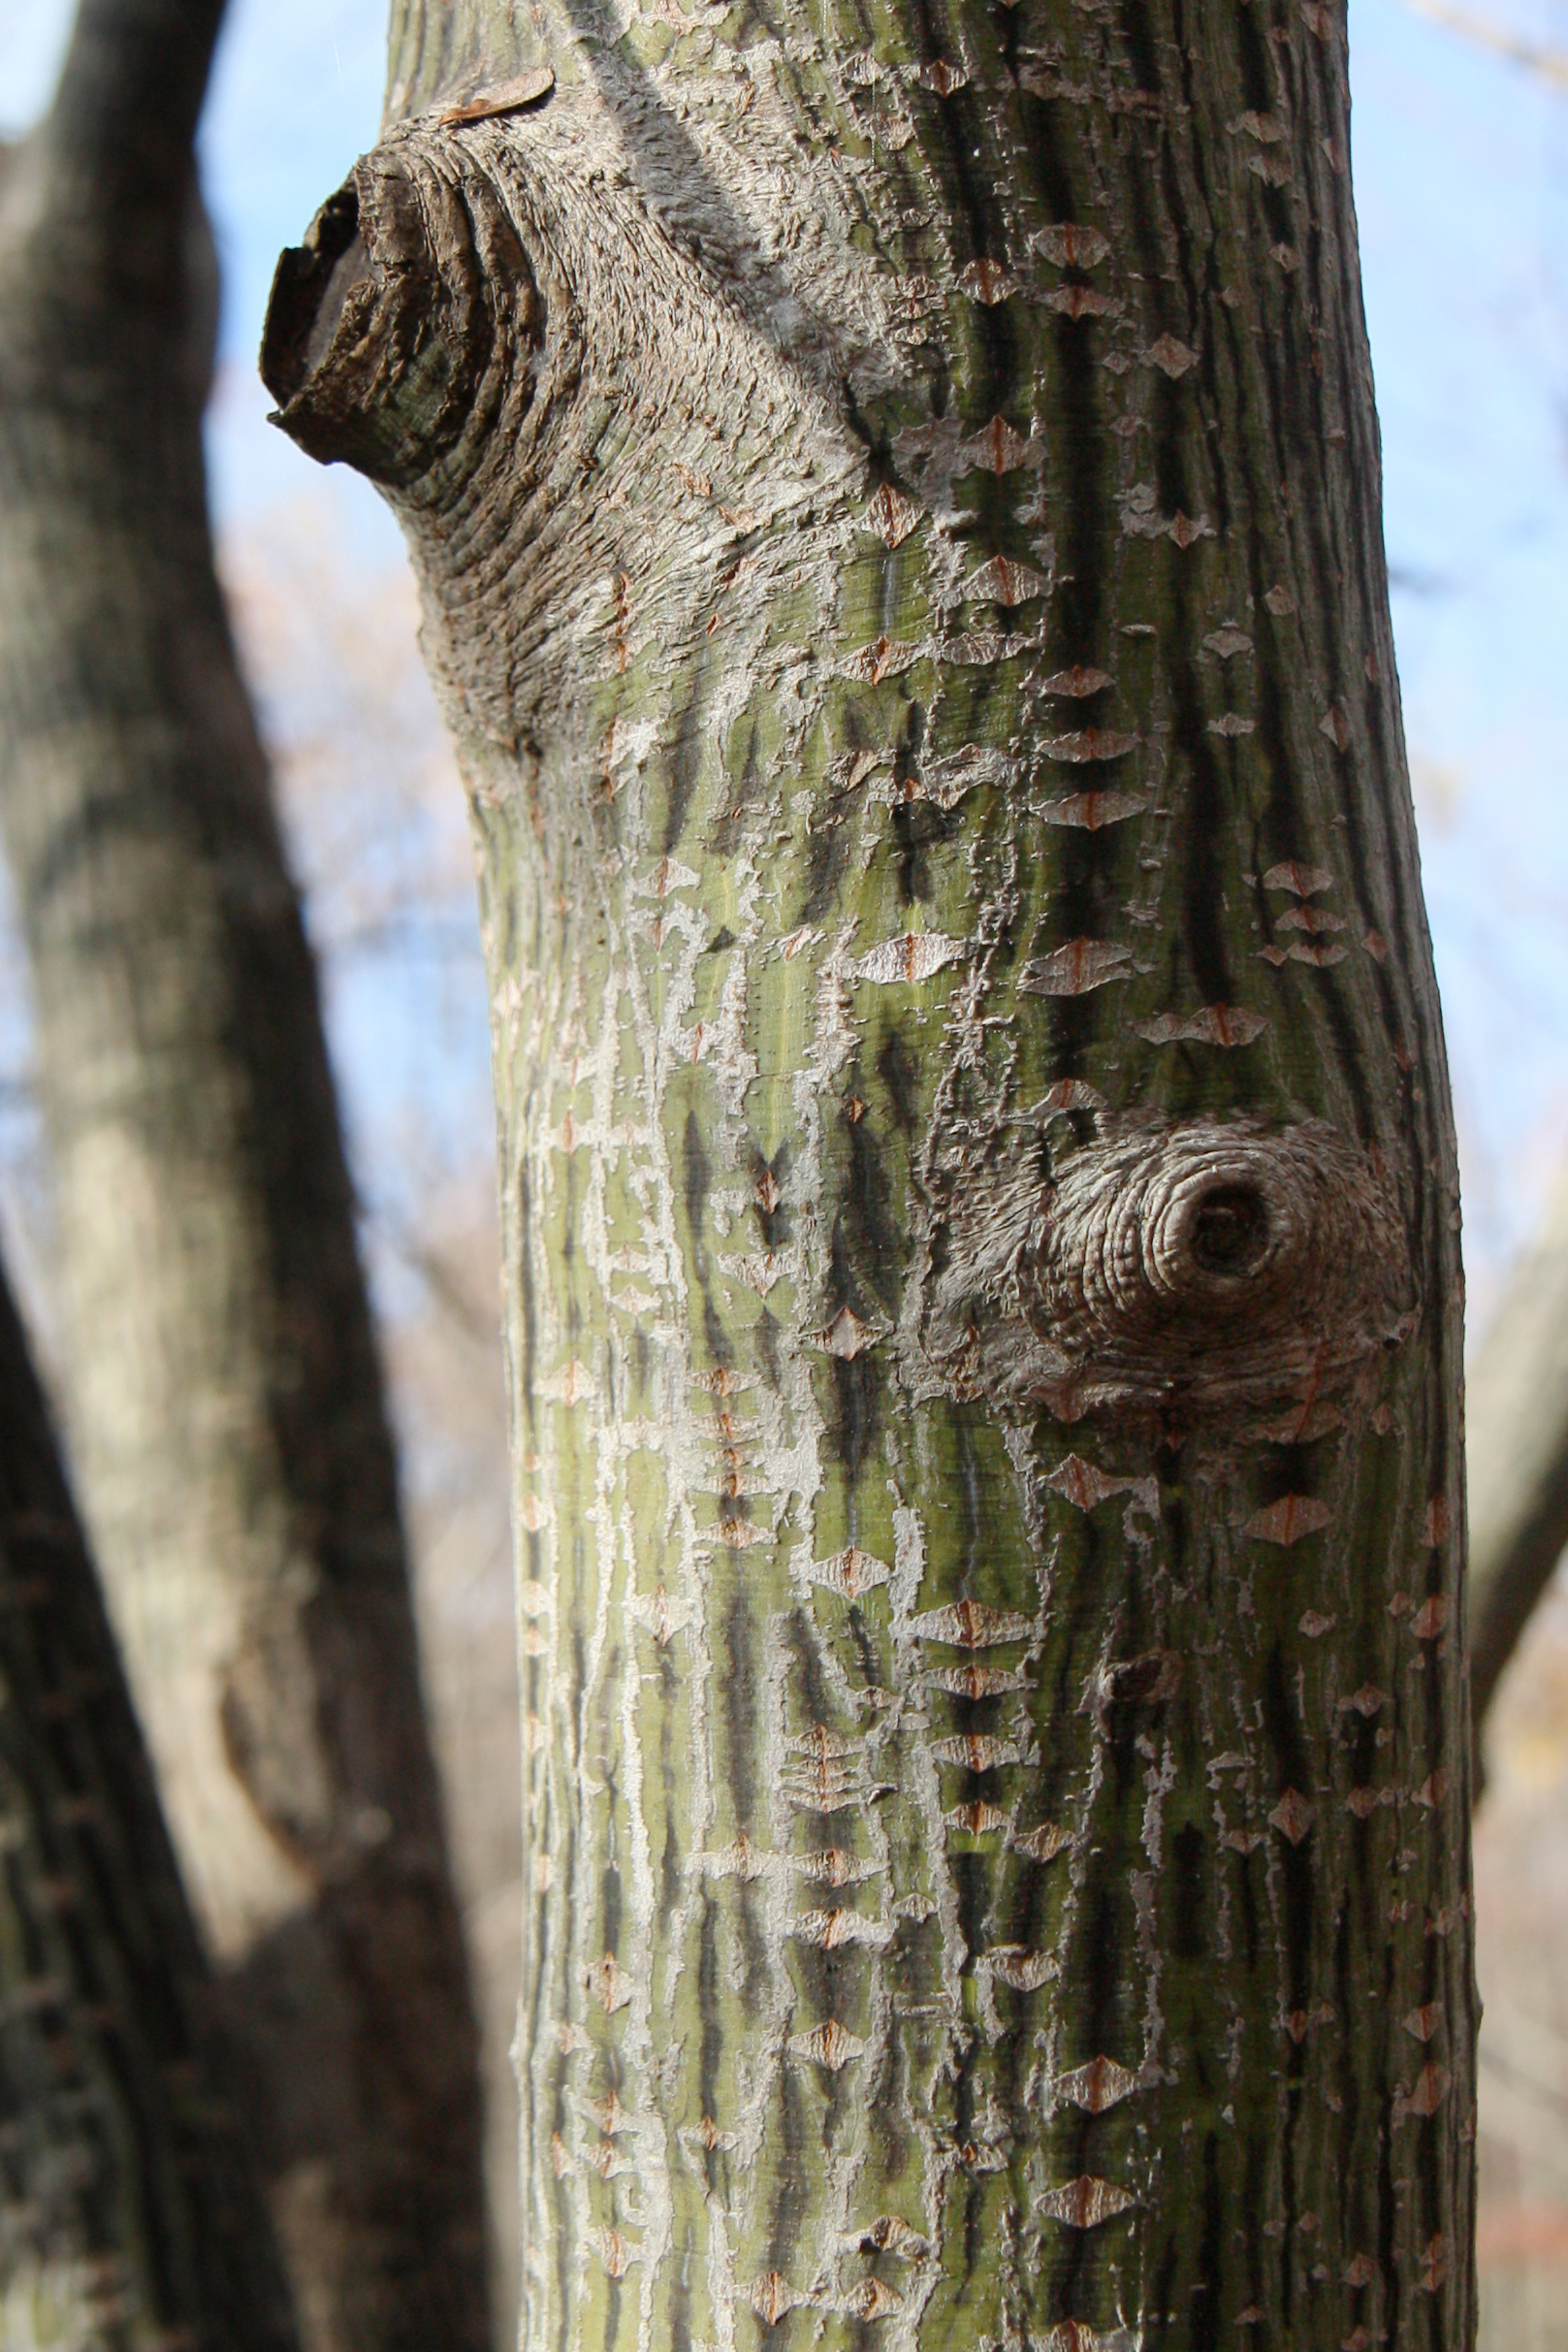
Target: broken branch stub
395, 328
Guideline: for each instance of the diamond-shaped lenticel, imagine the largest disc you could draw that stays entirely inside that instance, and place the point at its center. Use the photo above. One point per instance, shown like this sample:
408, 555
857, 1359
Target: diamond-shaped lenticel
1292, 1816
1084, 2203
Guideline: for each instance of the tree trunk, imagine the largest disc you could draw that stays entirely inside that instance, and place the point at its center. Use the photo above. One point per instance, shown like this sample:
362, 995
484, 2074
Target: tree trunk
226, 1405
130, 2212
897, 509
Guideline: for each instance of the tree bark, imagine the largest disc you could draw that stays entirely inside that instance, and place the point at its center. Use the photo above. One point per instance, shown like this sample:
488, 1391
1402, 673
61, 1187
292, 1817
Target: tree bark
226, 1405
896, 500
131, 2215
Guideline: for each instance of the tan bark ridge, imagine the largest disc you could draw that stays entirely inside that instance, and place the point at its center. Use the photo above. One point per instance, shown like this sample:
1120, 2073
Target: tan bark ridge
225, 1399
895, 498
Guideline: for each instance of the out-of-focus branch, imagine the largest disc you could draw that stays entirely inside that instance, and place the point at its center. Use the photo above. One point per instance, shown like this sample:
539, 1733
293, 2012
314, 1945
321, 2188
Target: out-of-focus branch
1517, 1449
115, 154
1516, 1415
128, 2185
217, 1357
1548, 64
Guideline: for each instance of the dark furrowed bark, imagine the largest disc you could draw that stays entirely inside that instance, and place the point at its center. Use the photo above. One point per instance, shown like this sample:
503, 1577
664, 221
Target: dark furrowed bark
226, 1402
130, 2208
896, 505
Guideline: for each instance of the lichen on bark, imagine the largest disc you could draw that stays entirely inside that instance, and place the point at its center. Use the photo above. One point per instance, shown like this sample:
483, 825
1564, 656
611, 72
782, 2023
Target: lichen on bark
901, 562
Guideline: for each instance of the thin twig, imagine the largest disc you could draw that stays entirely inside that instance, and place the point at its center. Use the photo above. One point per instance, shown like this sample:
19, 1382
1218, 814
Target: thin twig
1546, 64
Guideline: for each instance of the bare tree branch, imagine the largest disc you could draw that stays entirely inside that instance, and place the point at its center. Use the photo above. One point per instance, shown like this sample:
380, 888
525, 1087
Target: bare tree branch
125, 2177
1548, 64
1518, 1440
118, 146
236, 1461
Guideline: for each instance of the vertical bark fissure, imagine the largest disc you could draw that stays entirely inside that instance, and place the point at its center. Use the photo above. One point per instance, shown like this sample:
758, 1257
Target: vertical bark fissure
992, 1273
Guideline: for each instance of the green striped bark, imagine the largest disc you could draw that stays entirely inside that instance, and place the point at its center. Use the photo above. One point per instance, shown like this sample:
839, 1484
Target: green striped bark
896, 505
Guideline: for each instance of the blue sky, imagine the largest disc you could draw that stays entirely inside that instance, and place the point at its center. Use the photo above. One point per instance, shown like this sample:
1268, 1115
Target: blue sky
1462, 180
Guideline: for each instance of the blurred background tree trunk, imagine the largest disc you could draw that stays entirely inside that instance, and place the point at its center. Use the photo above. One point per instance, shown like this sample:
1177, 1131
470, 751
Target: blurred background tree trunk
896, 508
1516, 1414
130, 2208
225, 1401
